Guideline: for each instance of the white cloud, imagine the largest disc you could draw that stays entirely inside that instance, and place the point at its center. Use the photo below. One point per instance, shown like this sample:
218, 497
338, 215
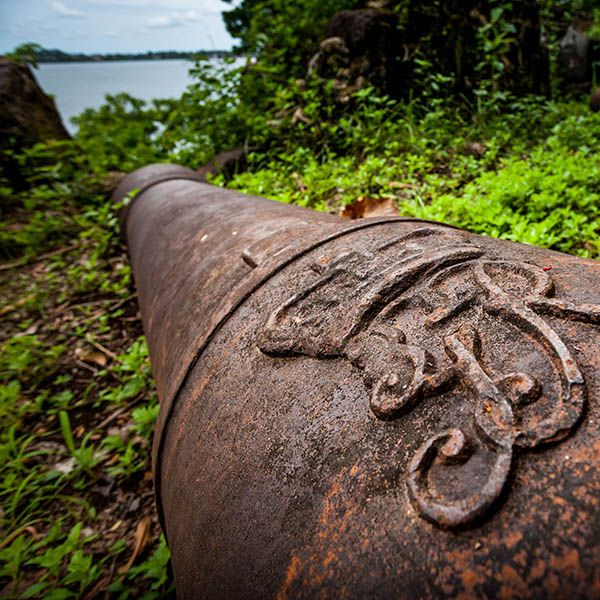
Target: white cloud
174, 19
202, 6
64, 11
182, 24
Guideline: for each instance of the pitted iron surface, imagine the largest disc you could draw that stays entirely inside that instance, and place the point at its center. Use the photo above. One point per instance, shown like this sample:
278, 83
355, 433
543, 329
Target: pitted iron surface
391, 408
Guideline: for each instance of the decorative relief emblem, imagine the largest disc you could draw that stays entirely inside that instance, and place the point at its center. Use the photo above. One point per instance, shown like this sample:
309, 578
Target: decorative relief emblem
411, 316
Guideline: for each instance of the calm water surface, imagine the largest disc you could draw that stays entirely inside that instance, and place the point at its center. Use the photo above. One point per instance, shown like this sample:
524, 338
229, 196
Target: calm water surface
77, 86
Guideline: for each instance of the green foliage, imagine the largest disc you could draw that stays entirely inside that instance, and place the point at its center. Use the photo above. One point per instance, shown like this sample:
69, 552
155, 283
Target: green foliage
25, 53
145, 417
494, 39
58, 175
550, 200
594, 31
282, 35
154, 570
210, 116
123, 147
53, 461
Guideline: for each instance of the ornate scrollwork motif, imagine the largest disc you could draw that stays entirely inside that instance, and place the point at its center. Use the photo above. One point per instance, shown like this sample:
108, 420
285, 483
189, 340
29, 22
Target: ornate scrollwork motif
409, 317
452, 446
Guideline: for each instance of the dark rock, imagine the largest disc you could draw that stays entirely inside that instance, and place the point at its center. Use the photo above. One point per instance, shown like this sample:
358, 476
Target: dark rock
228, 164
26, 112
358, 50
595, 101
364, 31
111, 181
574, 55
380, 48
329, 46
27, 116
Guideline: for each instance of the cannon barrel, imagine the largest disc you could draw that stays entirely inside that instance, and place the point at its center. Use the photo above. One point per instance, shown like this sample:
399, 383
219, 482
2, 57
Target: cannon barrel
383, 408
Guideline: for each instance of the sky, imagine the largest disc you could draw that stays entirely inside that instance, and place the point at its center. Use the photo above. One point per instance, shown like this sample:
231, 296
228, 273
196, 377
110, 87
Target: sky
103, 26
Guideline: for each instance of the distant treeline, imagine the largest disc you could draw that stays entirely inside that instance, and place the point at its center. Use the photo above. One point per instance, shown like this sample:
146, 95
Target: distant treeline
44, 55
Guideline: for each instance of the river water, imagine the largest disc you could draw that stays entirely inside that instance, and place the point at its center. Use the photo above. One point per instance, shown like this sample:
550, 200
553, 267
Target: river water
77, 86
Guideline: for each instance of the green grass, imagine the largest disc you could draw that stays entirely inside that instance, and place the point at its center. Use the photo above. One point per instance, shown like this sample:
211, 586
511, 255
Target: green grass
77, 398
540, 188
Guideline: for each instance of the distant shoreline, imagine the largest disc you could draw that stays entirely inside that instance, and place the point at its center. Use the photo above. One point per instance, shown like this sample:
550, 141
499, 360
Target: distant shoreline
58, 56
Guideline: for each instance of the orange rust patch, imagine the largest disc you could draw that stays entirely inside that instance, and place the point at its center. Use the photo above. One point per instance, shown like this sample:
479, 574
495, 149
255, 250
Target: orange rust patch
568, 562
552, 584
521, 558
329, 558
538, 570
586, 454
515, 586
595, 591
191, 406
325, 554
513, 539
470, 579
292, 571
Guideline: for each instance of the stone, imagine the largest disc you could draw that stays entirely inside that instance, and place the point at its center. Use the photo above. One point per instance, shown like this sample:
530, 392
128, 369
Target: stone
112, 180
227, 163
595, 101
27, 116
363, 30
357, 50
26, 113
574, 55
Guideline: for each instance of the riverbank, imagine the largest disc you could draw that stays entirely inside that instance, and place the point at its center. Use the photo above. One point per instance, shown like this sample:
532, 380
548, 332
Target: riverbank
58, 56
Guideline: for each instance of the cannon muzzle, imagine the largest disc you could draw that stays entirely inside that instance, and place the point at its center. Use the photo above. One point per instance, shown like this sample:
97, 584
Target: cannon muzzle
383, 408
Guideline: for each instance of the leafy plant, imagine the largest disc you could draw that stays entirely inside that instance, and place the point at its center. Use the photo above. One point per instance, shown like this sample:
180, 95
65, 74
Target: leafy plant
25, 53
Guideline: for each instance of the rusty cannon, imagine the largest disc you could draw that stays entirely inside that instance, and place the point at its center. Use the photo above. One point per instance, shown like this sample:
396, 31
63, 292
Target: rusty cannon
384, 408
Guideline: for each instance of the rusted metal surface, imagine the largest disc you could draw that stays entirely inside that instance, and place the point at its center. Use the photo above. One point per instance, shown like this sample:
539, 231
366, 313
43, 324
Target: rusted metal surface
388, 408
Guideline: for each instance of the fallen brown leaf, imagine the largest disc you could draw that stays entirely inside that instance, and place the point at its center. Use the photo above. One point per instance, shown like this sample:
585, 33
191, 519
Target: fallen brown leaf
99, 586
5, 310
116, 526
370, 207
91, 356
143, 540
64, 466
299, 181
112, 460
31, 530
477, 149
300, 116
